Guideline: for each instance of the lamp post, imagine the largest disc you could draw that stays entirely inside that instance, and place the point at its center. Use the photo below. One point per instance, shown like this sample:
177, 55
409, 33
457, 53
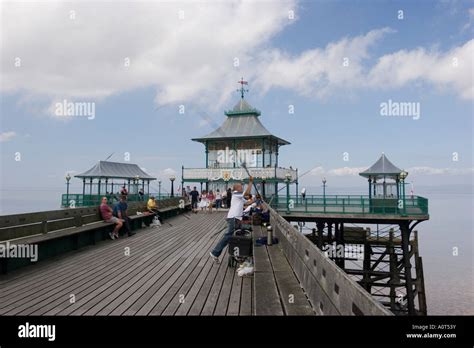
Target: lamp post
172, 178
137, 180
68, 177
159, 189
287, 181
324, 193
403, 176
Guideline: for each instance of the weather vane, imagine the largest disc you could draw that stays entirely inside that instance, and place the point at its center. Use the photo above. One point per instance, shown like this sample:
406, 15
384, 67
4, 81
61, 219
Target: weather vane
242, 90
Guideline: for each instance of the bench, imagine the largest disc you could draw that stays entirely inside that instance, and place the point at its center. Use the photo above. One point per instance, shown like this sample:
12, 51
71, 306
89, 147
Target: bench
277, 290
58, 231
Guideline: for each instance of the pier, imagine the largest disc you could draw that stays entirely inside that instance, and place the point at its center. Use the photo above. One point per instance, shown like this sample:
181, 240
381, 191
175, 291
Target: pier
167, 270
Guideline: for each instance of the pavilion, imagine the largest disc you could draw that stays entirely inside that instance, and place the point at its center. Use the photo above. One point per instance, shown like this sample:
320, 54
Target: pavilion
241, 138
105, 178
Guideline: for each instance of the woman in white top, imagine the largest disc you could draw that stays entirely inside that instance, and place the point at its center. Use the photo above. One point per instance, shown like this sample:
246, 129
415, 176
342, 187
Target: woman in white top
204, 201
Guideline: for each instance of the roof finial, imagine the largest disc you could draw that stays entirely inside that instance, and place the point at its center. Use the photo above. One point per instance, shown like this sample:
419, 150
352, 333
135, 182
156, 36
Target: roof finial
242, 90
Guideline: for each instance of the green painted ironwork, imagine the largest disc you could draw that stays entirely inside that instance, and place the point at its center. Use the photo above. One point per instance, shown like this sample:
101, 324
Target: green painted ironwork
351, 204
72, 200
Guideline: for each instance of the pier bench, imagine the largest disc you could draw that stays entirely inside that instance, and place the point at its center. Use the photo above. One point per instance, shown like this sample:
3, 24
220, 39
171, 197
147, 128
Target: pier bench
282, 294
59, 231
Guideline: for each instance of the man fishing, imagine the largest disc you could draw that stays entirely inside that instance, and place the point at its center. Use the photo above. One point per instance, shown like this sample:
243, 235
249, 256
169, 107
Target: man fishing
239, 198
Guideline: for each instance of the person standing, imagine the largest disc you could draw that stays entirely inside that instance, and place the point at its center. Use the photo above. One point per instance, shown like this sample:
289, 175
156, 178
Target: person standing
194, 199
303, 193
204, 202
210, 198
235, 213
228, 198
218, 199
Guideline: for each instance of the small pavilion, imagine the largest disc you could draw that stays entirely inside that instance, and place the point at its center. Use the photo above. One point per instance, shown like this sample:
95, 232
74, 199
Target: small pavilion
108, 177
386, 183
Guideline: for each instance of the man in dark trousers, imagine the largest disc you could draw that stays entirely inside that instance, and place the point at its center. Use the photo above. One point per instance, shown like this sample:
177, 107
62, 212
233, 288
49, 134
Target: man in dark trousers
194, 199
121, 211
236, 211
228, 198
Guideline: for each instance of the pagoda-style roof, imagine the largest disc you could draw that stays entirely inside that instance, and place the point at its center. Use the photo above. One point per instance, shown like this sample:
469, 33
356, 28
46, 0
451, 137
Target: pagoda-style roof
382, 168
241, 122
243, 108
115, 170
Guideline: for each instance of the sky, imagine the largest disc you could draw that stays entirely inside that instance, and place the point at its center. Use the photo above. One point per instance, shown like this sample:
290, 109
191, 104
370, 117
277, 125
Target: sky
161, 73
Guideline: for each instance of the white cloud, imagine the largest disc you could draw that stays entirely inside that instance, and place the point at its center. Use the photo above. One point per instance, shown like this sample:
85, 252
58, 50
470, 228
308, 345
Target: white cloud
346, 171
319, 72
446, 70
166, 173
191, 60
470, 14
7, 136
84, 58
354, 171
440, 171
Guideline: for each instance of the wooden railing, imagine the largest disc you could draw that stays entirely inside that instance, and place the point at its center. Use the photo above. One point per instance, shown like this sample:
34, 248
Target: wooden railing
330, 290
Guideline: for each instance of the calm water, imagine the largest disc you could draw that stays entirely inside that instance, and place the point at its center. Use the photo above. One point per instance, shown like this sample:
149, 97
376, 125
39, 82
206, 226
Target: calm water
449, 279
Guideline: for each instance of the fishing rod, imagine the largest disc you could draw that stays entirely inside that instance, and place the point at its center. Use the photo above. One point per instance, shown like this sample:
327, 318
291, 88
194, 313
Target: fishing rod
276, 193
248, 173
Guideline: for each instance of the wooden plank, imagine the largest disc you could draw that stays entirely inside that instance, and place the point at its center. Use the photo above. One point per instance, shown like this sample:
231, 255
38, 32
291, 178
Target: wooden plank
198, 294
265, 292
224, 294
292, 296
261, 260
181, 295
142, 304
95, 297
194, 282
46, 298
201, 306
156, 303
97, 301
51, 266
246, 296
235, 295
266, 297
177, 280
123, 242
47, 273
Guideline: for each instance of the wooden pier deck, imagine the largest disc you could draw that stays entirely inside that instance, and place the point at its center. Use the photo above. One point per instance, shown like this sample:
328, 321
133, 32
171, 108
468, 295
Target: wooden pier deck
167, 271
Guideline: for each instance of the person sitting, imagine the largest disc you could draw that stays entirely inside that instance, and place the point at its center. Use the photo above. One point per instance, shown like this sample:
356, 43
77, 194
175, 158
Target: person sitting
121, 211
124, 191
107, 216
152, 207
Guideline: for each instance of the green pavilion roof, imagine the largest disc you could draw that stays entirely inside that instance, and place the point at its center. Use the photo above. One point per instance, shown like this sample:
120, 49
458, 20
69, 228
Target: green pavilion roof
382, 168
115, 170
241, 123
